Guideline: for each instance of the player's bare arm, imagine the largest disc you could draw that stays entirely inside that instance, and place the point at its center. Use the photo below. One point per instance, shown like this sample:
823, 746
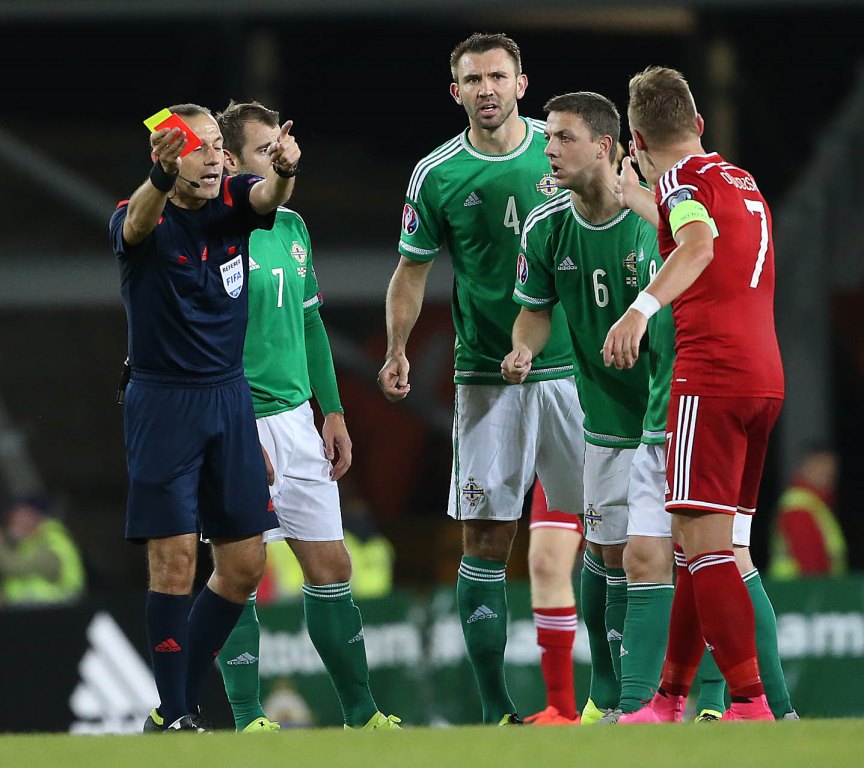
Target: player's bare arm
337, 444
278, 184
404, 302
631, 194
694, 252
148, 202
530, 333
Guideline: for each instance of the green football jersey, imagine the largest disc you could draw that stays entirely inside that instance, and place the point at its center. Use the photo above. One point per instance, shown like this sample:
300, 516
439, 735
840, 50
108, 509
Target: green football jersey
476, 205
282, 289
661, 349
590, 269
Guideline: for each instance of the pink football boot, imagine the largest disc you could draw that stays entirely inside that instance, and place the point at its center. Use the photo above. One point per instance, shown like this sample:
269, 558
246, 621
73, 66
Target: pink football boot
663, 708
755, 709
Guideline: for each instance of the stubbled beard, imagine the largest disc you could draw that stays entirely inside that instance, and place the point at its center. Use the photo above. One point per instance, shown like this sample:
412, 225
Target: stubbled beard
503, 114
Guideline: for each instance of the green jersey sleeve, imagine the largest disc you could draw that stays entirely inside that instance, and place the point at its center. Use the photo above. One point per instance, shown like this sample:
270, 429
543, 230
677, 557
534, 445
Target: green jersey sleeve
311, 291
422, 228
661, 342
535, 276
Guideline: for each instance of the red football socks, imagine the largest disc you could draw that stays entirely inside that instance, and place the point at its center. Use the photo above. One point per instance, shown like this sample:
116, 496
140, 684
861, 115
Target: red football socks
727, 620
686, 646
556, 631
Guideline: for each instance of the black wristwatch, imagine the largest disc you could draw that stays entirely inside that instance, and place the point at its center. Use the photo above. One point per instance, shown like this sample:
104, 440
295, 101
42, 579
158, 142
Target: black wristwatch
289, 174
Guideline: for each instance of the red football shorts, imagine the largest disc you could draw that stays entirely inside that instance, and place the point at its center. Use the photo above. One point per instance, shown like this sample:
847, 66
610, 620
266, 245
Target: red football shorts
715, 451
542, 517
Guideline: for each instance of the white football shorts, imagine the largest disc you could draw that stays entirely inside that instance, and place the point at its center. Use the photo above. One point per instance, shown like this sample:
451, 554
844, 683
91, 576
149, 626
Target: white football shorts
647, 495
607, 488
505, 434
305, 499
741, 529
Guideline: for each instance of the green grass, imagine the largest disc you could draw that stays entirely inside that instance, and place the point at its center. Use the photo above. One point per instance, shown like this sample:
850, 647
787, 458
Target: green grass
808, 744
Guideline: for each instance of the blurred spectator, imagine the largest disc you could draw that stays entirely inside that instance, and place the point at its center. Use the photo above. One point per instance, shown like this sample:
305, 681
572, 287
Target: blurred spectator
286, 706
39, 562
371, 552
807, 539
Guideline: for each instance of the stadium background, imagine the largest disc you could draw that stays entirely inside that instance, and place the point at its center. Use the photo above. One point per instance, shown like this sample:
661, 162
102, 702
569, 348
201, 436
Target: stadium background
366, 84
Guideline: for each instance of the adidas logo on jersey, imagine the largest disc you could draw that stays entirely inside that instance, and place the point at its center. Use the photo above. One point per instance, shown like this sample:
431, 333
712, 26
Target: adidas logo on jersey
243, 659
614, 634
566, 265
481, 613
357, 638
253, 264
472, 199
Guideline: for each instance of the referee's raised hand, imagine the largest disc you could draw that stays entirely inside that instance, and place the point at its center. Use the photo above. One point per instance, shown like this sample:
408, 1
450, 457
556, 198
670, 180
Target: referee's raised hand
166, 146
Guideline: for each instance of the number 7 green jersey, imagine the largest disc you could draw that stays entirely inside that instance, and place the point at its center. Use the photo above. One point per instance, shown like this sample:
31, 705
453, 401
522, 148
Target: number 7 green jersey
282, 289
475, 205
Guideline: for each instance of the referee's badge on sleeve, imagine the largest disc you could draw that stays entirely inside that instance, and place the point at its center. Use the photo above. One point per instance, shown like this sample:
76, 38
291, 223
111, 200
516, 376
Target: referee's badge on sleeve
232, 276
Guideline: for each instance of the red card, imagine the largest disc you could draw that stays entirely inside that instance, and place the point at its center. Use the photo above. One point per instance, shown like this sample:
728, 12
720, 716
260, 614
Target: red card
167, 119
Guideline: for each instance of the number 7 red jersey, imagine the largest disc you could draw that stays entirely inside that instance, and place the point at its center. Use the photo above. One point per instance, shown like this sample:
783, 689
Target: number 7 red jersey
725, 341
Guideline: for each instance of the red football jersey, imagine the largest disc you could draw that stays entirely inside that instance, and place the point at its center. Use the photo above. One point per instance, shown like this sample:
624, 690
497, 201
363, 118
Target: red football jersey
725, 341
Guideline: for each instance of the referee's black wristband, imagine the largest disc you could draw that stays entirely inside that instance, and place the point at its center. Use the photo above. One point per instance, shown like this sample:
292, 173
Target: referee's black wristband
163, 181
289, 174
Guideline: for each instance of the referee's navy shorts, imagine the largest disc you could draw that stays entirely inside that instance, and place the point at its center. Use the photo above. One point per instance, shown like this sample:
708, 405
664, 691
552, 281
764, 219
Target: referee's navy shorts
194, 460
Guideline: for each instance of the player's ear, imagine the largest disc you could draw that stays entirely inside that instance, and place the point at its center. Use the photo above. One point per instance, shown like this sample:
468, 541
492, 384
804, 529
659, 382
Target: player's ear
605, 147
638, 139
454, 92
700, 124
521, 85
230, 160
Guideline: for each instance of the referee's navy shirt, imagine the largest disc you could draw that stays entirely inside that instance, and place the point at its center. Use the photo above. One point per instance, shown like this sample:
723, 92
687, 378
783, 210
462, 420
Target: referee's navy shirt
185, 286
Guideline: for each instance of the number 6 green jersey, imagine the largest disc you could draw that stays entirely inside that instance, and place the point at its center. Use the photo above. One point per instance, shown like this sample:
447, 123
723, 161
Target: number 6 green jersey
590, 269
476, 205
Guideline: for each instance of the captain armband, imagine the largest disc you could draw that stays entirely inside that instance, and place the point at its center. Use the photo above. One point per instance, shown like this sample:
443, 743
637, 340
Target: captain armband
687, 212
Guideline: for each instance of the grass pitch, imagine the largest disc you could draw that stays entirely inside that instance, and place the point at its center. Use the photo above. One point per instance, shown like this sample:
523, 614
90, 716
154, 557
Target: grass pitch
808, 744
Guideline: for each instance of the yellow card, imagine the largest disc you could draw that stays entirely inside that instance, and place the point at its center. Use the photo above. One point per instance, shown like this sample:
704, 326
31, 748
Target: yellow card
160, 117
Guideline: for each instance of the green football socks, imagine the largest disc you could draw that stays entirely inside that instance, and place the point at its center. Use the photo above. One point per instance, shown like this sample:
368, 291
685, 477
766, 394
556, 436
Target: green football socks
238, 661
605, 689
766, 646
646, 632
336, 630
712, 686
481, 597
616, 611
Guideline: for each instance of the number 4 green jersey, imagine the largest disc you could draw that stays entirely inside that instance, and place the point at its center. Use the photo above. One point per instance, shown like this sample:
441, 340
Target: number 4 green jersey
591, 271
476, 205
282, 289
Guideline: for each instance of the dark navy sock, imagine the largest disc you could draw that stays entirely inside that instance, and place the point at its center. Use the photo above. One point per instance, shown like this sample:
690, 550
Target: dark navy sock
210, 622
167, 619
